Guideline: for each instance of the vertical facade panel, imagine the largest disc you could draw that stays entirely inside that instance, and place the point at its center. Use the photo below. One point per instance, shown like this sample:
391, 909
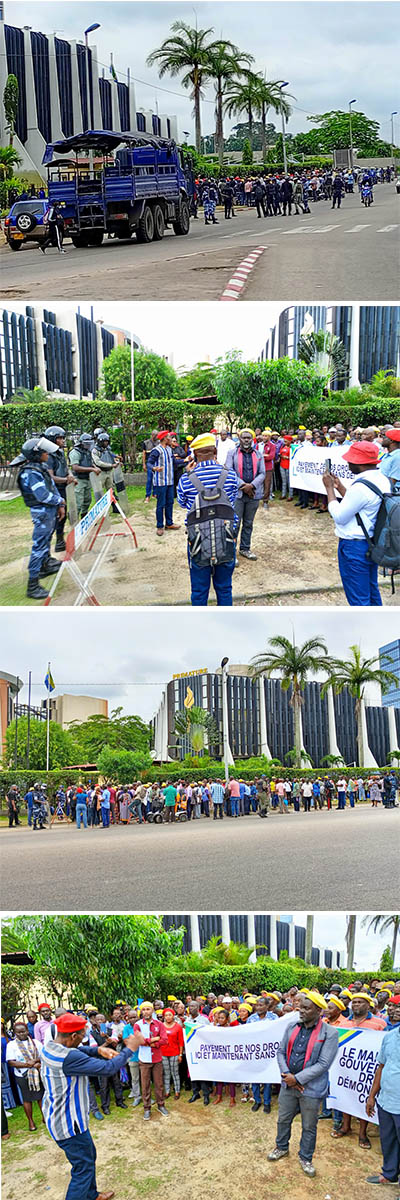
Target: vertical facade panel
41, 75
64, 79
15, 50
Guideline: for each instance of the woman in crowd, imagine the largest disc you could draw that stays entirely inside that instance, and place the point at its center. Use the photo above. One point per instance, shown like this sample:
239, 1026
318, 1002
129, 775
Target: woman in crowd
23, 1054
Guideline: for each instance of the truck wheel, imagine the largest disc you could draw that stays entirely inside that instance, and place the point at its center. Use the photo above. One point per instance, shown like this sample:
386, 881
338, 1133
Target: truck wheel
182, 225
145, 229
79, 240
159, 223
15, 245
94, 237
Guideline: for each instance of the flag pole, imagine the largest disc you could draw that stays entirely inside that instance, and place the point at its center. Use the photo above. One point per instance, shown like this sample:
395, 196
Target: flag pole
29, 720
48, 721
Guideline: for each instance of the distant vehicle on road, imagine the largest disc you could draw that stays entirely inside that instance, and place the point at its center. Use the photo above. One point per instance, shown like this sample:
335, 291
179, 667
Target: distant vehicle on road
27, 221
119, 184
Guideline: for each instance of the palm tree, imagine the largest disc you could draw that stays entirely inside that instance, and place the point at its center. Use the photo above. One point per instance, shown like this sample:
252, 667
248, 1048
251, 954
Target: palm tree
354, 674
381, 923
242, 96
9, 158
188, 50
294, 664
226, 62
199, 726
270, 95
326, 352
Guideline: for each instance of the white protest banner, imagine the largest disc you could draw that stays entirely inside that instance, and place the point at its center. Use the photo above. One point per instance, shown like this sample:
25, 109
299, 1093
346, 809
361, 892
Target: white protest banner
351, 1074
237, 1054
307, 466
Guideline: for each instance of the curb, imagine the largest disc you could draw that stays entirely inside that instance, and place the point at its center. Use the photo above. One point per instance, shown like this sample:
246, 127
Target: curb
240, 277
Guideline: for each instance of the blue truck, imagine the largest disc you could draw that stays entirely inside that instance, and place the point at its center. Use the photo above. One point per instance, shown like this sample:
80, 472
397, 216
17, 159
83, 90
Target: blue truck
126, 184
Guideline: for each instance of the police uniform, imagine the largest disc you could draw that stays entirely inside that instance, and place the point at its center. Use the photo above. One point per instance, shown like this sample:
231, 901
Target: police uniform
41, 495
57, 463
111, 475
81, 456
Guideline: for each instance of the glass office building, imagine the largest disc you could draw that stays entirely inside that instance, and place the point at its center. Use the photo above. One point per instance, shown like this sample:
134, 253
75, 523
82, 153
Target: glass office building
389, 660
370, 334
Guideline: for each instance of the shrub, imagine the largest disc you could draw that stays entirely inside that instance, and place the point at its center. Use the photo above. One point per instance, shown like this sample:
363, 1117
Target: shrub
341, 406
266, 974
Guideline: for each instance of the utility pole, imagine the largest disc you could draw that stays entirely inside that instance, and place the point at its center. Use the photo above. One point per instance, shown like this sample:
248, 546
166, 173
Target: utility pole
309, 938
351, 941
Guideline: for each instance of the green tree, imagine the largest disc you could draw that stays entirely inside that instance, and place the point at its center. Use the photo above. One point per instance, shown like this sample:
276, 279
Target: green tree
116, 732
267, 393
100, 959
270, 95
242, 96
383, 923
386, 963
188, 50
326, 351
216, 953
199, 381
226, 62
154, 377
354, 674
293, 664
334, 132
61, 745
197, 725
123, 766
10, 103
247, 155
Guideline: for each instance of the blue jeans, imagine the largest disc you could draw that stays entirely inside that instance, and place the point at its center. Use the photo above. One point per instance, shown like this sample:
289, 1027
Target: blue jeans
165, 504
44, 523
149, 481
235, 806
136, 805
389, 1131
200, 582
81, 815
358, 574
290, 1104
105, 816
255, 1087
30, 811
81, 1153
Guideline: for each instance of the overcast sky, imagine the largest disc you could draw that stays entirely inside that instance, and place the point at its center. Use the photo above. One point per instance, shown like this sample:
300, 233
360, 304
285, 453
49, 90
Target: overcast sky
330, 930
328, 52
127, 655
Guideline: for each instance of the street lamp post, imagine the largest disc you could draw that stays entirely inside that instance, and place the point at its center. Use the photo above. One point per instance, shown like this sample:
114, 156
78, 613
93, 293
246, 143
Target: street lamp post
225, 726
283, 85
90, 29
351, 132
392, 115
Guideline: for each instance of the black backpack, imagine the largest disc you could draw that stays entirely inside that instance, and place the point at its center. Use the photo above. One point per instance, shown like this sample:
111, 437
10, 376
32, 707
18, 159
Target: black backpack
384, 545
210, 523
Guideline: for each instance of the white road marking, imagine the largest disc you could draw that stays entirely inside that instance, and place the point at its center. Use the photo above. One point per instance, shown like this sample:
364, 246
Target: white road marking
357, 228
387, 228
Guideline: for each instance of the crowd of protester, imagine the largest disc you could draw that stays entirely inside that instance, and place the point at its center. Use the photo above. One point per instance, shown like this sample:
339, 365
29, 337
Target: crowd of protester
278, 193
32, 1042
164, 802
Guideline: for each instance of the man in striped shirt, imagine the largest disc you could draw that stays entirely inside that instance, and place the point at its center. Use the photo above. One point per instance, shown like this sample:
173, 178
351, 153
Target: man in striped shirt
66, 1071
208, 471
161, 462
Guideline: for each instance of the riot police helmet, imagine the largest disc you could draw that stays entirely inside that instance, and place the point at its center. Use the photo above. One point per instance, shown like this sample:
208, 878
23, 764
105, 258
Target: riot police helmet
100, 429
54, 432
32, 450
85, 439
103, 439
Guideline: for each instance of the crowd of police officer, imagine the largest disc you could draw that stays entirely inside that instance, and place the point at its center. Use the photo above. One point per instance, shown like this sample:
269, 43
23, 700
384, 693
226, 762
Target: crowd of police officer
54, 486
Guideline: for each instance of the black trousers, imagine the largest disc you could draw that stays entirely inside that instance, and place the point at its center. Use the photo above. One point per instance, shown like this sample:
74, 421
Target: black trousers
287, 204
260, 208
228, 209
106, 1082
201, 1085
218, 811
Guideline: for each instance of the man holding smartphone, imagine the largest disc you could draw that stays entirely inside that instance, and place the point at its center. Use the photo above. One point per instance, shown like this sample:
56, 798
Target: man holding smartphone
358, 573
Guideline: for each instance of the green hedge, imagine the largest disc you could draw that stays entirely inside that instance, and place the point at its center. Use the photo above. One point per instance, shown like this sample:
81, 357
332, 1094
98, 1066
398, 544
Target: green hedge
53, 779
373, 411
264, 974
127, 418
212, 170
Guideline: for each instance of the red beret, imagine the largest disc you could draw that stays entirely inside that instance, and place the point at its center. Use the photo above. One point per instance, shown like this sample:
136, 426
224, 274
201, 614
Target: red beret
362, 452
45, 1004
164, 433
69, 1023
393, 434
173, 1014
394, 1000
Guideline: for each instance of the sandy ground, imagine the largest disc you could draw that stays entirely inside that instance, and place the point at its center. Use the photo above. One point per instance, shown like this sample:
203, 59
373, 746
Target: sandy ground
296, 562
195, 1152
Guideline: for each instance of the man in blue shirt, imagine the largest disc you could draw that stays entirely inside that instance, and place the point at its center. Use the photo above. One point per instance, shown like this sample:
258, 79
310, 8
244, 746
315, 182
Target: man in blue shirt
66, 1071
208, 471
262, 1014
386, 1086
105, 807
161, 462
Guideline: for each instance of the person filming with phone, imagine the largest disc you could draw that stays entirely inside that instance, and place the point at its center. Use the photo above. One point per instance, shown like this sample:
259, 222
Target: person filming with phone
354, 514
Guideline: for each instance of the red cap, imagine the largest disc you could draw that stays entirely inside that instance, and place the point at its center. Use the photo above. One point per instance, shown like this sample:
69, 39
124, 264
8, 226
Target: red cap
394, 1000
362, 452
393, 434
173, 1014
44, 1004
164, 433
69, 1023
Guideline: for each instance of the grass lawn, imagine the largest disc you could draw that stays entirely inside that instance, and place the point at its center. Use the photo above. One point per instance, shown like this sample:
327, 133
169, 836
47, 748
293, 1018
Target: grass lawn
196, 1152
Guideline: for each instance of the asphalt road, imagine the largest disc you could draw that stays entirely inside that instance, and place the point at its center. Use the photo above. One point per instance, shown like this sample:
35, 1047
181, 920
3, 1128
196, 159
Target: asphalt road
300, 861
350, 254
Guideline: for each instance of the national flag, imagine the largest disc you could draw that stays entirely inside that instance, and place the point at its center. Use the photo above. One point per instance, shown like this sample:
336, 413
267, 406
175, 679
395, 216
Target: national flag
189, 698
113, 73
49, 682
